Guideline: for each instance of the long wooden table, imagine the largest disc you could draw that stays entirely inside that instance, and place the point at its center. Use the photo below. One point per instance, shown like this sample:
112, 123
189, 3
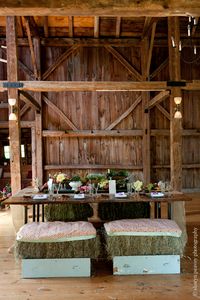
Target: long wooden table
25, 198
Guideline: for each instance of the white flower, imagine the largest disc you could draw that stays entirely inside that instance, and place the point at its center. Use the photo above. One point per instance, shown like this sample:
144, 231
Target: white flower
137, 185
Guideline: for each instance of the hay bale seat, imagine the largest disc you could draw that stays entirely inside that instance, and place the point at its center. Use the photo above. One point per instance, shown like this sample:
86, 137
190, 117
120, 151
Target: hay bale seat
57, 249
143, 246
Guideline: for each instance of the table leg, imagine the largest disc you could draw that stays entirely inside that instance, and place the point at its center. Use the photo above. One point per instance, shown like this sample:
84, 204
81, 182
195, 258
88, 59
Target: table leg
38, 212
159, 210
33, 212
25, 214
42, 212
169, 211
155, 210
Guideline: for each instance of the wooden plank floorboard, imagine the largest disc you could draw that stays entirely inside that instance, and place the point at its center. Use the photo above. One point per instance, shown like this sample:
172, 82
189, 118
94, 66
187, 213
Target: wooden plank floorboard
101, 286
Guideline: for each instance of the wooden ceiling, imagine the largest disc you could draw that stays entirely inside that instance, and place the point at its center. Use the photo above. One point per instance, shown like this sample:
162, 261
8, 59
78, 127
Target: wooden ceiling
99, 8
96, 27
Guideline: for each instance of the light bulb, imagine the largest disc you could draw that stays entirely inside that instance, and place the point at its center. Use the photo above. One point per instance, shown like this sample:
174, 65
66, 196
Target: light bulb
173, 42
179, 46
178, 115
12, 117
177, 100
12, 101
189, 30
195, 49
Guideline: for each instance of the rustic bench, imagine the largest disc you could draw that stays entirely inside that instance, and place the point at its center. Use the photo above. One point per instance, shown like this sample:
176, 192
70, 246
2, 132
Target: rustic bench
144, 246
57, 249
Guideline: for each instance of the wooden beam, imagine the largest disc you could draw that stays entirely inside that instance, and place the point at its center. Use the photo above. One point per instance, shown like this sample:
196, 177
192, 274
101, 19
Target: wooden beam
89, 166
86, 42
33, 152
60, 113
125, 63
23, 67
90, 86
157, 99
98, 8
59, 61
24, 109
26, 97
33, 26
71, 26
175, 124
38, 116
96, 27
14, 126
163, 65
147, 27
23, 124
125, 114
160, 132
46, 28
92, 133
185, 132
33, 57
163, 111
20, 31
145, 116
118, 27
150, 49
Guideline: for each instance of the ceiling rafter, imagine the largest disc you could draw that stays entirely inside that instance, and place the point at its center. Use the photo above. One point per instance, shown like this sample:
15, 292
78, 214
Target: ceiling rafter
46, 26
33, 57
96, 27
34, 30
153, 31
118, 27
71, 26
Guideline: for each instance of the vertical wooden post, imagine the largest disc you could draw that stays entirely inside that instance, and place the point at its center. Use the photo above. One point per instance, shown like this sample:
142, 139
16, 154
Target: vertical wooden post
178, 208
14, 126
33, 151
38, 116
146, 123
175, 124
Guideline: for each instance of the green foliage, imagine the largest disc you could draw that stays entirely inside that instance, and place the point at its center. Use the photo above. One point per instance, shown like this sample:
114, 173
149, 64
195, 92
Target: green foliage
96, 177
75, 178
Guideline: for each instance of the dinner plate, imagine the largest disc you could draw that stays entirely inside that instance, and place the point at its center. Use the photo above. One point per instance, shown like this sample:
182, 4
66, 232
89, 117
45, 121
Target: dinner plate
120, 195
157, 194
79, 196
40, 197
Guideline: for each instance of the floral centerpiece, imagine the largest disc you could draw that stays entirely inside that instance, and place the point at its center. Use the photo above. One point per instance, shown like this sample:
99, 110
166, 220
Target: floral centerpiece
60, 179
137, 185
75, 183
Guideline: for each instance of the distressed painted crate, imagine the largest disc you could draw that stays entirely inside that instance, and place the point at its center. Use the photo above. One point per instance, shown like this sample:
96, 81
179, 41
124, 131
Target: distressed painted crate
57, 267
146, 264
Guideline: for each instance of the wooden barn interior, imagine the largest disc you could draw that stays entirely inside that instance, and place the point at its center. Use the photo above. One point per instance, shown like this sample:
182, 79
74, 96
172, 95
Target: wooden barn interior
95, 84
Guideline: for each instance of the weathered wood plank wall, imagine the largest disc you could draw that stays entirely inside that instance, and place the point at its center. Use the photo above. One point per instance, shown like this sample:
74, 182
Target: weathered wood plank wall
97, 110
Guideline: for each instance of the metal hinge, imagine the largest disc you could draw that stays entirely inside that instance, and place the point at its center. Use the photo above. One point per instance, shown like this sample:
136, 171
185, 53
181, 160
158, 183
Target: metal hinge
15, 85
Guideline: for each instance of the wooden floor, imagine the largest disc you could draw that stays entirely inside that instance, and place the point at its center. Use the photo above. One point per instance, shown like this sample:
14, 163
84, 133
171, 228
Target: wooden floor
102, 285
